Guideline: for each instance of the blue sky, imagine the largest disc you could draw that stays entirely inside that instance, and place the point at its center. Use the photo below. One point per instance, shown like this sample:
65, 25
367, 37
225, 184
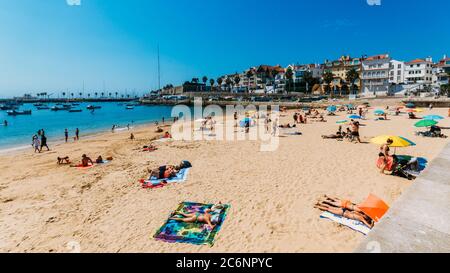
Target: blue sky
47, 45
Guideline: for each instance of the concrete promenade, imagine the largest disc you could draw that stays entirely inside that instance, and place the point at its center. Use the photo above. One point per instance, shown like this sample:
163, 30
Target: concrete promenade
420, 220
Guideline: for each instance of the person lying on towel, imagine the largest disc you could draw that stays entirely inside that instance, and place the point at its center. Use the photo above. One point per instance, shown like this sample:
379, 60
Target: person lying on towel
344, 208
168, 171
163, 172
207, 217
85, 162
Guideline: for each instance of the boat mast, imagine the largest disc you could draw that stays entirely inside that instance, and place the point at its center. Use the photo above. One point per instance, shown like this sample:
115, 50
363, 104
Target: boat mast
159, 71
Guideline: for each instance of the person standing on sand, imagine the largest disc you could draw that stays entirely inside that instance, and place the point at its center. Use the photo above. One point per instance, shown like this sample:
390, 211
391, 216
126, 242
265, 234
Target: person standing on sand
235, 116
275, 127
36, 144
113, 128
355, 131
5, 123
66, 135
162, 120
77, 134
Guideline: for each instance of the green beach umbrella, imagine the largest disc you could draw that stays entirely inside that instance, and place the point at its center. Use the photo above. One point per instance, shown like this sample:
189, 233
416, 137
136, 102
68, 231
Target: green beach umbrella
425, 123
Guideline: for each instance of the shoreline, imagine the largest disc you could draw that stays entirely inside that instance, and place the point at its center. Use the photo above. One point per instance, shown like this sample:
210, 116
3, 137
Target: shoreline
58, 141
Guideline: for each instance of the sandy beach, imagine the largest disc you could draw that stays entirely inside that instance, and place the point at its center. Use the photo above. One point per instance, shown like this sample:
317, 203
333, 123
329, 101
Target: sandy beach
45, 207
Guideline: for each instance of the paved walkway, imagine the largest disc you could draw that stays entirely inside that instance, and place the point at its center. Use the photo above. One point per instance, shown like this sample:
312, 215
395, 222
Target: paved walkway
420, 220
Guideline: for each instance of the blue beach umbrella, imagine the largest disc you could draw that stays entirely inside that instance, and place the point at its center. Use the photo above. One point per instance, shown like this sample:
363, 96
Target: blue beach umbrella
247, 120
354, 117
410, 105
332, 108
433, 117
379, 112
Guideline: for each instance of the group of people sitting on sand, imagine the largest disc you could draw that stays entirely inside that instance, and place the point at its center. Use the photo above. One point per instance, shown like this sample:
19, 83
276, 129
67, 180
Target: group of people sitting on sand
86, 161
351, 134
300, 118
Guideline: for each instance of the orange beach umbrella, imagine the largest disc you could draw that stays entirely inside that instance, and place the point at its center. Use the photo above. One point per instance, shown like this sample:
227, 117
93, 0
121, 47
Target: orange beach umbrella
374, 207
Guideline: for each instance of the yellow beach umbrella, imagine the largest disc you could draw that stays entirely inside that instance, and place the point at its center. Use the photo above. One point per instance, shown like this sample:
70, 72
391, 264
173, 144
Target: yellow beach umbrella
398, 141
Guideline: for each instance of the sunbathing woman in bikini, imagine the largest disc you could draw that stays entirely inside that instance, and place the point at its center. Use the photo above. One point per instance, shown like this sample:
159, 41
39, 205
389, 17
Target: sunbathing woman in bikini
195, 218
346, 209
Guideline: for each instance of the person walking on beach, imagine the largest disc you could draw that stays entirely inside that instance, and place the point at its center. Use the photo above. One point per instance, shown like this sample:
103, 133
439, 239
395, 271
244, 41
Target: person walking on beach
113, 128
44, 142
235, 119
36, 144
267, 124
275, 127
66, 135
77, 134
162, 120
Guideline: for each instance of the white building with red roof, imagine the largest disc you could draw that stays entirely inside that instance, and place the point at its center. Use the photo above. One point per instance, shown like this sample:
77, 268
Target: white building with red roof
375, 75
419, 71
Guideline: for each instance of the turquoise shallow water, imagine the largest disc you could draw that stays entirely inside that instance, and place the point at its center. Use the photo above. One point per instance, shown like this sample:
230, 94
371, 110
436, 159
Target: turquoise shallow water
21, 128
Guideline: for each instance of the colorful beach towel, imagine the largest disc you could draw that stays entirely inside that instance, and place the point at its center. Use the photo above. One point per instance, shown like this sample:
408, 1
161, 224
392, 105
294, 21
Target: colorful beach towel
353, 224
81, 167
155, 183
193, 233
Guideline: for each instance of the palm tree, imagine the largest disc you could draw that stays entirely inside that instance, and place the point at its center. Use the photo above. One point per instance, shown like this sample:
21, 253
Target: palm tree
328, 77
219, 82
211, 82
309, 79
64, 94
237, 79
110, 94
289, 76
81, 94
71, 94
228, 82
96, 94
351, 77
117, 93
103, 94
249, 75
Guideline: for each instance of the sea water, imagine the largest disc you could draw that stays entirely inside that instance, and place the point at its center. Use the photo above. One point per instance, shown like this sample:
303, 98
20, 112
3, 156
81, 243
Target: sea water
20, 129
